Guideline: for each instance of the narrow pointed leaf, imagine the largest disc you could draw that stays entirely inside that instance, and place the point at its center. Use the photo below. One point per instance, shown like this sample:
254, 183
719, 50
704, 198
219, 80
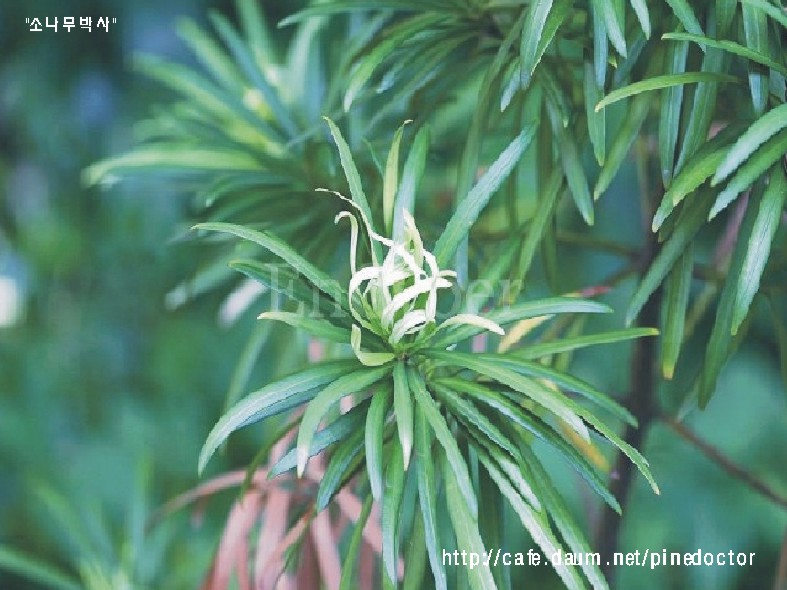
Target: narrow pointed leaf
403, 409
643, 16
766, 156
779, 15
565, 344
349, 576
607, 11
392, 499
345, 461
572, 167
730, 47
531, 38
660, 82
280, 248
465, 525
675, 303
769, 216
272, 399
373, 434
35, 570
444, 436
760, 131
411, 177
622, 143
686, 16
596, 119
684, 232
347, 384
471, 206
391, 180
427, 496
353, 178
314, 326
671, 103
336, 431
755, 28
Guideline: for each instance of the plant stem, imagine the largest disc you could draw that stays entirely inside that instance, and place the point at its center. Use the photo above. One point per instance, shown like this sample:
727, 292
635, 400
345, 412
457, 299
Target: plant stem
725, 463
642, 405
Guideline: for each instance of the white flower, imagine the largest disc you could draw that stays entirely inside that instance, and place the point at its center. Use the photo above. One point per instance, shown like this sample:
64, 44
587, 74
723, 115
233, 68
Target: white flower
396, 298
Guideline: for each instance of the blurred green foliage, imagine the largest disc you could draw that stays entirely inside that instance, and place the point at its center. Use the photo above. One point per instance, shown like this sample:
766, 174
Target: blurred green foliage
106, 394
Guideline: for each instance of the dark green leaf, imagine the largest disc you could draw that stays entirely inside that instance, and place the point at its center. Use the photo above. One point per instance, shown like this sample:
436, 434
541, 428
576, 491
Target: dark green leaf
355, 382
769, 216
403, 409
345, 460
660, 82
675, 303
349, 579
730, 47
669, 119
755, 27
392, 499
471, 206
375, 427
35, 570
444, 436
685, 15
273, 399
311, 325
531, 38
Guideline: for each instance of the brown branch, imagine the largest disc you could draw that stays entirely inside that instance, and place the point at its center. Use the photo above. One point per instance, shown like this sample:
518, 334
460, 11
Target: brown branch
734, 470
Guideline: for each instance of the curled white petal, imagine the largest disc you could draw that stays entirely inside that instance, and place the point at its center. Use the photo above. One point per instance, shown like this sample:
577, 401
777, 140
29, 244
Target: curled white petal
411, 322
353, 236
473, 320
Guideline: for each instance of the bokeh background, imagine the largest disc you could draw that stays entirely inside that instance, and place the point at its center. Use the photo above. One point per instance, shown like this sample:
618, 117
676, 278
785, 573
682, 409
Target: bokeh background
107, 392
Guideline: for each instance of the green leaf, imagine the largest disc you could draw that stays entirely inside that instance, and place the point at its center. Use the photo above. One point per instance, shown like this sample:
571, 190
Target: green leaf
336, 431
272, 399
471, 206
671, 102
520, 311
719, 343
547, 204
210, 55
685, 15
760, 131
755, 28
660, 82
345, 460
514, 413
354, 180
699, 168
465, 411
597, 125
247, 63
392, 500
427, 496
703, 108
284, 280
314, 326
349, 577
772, 11
725, 13
345, 385
534, 522
553, 401
168, 157
769, 215
629, 131
600, 45
35, 570
614, 31
766, 156
535, 351
563, 519
411, 177
281, 249
464, 519
531, 38
373, 433
692, 218
403, 409
731, 47
444, 436
641, 10
395, 37
675, 303
572, 167
391, 180
415, 558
